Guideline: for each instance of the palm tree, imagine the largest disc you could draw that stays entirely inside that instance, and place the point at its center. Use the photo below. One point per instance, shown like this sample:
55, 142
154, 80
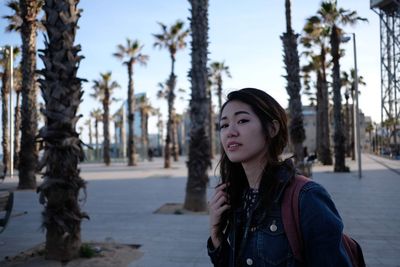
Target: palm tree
332, 17
217, 70
164, 92
348, 81
199, 158
24, 20
315, 35
132, 54
160, 128
97, 115
17, 114
62, 93
5, 91
291, 59
145, 110
88, 123
173, 39
211, 119
103, 89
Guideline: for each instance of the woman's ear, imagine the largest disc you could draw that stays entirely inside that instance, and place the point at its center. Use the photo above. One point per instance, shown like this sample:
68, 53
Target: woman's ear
273, 128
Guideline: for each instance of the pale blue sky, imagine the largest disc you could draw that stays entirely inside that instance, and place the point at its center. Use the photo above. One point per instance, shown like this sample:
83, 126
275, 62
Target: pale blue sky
243, 33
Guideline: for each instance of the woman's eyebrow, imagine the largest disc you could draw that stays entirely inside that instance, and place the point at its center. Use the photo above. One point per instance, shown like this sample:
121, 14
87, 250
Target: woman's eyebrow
236, 113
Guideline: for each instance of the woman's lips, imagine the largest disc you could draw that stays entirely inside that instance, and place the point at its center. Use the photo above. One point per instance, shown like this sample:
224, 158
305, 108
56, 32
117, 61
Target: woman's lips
233, 146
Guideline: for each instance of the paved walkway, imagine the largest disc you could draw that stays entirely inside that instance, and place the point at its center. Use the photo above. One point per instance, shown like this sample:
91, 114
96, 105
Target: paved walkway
121, 202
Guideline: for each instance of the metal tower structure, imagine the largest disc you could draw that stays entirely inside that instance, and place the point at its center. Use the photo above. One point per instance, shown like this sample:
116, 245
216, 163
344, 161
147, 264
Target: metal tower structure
389, 14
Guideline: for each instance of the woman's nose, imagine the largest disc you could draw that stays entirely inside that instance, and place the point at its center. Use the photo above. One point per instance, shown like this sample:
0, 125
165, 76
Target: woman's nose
232, 131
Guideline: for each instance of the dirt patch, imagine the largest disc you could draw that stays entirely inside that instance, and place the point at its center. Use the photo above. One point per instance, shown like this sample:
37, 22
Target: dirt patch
177, 209
106, 254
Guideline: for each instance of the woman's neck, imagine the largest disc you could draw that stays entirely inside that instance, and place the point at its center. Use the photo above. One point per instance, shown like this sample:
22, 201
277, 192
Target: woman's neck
254, 171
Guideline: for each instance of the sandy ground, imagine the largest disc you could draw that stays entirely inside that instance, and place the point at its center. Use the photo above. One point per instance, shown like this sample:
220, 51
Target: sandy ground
109, 255
177, 209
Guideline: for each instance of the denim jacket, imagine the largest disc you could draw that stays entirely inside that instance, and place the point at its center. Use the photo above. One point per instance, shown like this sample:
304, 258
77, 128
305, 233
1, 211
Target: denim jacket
264, 244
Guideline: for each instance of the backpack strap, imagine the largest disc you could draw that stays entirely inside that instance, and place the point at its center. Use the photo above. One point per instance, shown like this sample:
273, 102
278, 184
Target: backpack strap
291, 215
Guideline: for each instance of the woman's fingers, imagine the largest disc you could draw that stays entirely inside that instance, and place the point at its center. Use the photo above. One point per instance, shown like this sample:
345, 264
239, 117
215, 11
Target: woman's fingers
219, 203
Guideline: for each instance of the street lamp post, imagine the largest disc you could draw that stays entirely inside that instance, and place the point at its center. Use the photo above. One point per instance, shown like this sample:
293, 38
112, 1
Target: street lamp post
11, 61
356, 110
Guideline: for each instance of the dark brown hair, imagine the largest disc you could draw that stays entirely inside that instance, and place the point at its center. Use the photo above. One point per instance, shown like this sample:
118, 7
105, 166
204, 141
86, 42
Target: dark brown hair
267, 109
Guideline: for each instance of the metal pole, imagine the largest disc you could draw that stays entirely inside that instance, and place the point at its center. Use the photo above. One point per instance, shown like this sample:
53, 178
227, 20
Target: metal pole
356, 110
11, 111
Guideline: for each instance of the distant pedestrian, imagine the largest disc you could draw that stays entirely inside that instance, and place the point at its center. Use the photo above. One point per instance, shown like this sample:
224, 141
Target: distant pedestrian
305, 152
246, 227
150, 154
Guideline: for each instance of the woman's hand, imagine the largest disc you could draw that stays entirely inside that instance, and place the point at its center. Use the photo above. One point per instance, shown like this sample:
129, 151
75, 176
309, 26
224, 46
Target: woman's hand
219, 203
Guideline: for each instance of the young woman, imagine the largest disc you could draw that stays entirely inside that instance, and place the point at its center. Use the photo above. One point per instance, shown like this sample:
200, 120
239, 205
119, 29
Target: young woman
246, 226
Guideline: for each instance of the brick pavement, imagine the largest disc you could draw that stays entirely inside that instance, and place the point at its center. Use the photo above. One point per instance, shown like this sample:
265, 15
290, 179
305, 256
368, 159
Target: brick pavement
121, 202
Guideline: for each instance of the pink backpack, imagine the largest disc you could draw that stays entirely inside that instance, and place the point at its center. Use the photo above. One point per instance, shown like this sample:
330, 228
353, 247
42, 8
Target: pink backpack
291, 224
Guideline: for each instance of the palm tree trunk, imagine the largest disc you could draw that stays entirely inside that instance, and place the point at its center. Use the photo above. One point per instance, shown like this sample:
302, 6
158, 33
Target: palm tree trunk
170, 122
96, 127
337, 105
28, 154
59, 192
90, 151
106, 128
131, 118
211, 120
319, 116
326, 156
199, 156
116, 146
5, 90
143, 133
291, 59
175, 141
17, 126
347, 128
352, 134
219, 92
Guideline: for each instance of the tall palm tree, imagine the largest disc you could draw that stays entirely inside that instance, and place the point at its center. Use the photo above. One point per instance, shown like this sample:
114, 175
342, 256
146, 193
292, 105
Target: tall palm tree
17, 113
103, 89
293, 88
24, 20
199, 158
315, 36
5, 91
165, 92
97, 115
217, 70
62, 93
334, 17
88, 123
173, 39
348, 81
5, 56
130, 55
211, 119
160, 128
145, 110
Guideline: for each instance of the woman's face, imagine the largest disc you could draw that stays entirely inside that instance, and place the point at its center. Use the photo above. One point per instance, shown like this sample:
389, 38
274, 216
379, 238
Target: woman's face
241, 133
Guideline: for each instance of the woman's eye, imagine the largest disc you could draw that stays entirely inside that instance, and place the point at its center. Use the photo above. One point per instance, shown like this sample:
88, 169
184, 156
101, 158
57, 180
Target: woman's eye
243, 121
223, 126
